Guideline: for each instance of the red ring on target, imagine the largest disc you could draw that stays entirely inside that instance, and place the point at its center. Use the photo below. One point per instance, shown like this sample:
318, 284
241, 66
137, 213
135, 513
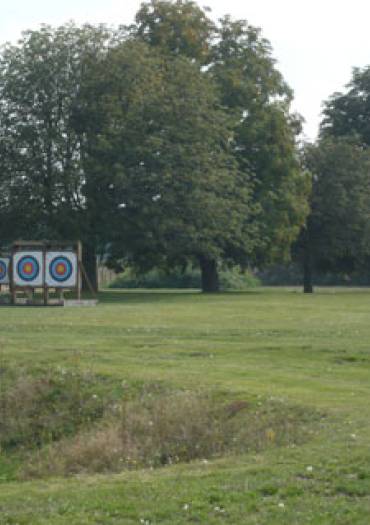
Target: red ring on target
28, 268
60, 269
3, 270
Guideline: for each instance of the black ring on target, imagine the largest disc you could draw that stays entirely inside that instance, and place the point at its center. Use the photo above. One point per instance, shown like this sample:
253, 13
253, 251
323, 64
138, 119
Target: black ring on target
3, 270
28, 268
60, 269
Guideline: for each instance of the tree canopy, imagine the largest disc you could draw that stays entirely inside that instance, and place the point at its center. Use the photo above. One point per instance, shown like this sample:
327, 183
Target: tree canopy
165, 145
41, 151
348, 113
336, 235
170, 141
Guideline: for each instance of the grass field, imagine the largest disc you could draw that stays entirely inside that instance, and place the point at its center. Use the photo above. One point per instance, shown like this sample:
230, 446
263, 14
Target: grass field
306, 350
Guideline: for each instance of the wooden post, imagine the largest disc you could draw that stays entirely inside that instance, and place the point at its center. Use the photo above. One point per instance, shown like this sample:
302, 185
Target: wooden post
91, 288
79, 266
13, 292
13, 295
29, 294
45, 287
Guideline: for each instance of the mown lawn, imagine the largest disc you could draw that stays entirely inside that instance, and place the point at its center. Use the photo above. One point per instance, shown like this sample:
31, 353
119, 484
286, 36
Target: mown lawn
312, 351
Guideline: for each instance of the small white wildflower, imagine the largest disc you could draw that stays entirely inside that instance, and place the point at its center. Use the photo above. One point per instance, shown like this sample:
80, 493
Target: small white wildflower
186, 506
94, 396
205, 461
309, 468
353, 436
281, 505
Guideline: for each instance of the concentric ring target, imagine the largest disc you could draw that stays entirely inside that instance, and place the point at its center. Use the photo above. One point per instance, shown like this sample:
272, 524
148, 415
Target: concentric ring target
28, 268
60, 269
3, 271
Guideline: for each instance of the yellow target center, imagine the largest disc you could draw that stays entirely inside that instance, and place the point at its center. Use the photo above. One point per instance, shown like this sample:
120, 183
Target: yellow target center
28, 268
60, 269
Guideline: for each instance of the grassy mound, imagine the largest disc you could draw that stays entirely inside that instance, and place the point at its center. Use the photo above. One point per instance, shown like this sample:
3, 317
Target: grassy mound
67, 422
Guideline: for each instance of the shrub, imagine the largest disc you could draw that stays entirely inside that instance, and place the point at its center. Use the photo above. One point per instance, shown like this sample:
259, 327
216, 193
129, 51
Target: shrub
230, 279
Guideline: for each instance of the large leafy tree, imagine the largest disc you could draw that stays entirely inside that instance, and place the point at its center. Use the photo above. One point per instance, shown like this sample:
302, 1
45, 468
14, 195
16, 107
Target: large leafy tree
336, 235
169, 185
236, 57
346, 117
41, 150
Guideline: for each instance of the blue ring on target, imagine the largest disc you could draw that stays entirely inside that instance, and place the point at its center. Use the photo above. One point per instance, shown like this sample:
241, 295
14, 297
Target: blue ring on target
28, 268
3, 270
60, 269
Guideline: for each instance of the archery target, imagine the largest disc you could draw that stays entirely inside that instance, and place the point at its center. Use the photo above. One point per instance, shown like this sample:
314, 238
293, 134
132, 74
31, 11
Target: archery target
4, 270
28, 269
61, 269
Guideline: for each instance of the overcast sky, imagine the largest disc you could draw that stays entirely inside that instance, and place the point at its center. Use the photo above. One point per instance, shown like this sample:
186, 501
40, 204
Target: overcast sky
316, 43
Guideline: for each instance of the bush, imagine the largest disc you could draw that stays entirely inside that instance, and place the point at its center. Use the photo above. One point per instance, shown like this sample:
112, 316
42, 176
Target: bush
292, 275
232, 279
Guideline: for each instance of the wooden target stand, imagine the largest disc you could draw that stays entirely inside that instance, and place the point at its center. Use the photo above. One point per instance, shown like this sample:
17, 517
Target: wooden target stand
42, 249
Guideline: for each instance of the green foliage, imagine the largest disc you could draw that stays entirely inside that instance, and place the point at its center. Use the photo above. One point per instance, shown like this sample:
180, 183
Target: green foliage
232, 279
252, 88
348, 113
291, 275
256, 186
162, 164
237, 279
41, 152
336, 237
39, 408
168, 143
180, 28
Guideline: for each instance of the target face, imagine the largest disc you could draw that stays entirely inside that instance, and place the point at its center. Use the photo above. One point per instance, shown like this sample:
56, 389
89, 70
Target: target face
4, 270
61, 269
28, 269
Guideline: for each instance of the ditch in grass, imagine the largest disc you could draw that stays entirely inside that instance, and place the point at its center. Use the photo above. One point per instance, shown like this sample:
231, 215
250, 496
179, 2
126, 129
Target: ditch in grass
63, 422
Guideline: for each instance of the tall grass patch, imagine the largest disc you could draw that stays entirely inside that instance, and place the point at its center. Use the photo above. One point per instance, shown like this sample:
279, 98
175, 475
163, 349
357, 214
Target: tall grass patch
39, 407
165, 430
62, 422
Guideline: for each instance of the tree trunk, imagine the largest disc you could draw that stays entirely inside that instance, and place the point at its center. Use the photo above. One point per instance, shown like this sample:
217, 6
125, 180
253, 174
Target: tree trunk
210, 279
307, 272
90, 264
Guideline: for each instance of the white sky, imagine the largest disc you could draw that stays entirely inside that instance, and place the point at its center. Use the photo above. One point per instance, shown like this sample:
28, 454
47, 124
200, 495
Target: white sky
316, 43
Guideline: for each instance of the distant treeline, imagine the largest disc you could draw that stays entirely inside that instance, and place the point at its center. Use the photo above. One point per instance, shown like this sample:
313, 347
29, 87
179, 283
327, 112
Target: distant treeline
171, 143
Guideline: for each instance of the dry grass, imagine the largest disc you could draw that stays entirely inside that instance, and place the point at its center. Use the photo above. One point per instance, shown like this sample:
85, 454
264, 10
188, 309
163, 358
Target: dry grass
157, 431
65, 422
